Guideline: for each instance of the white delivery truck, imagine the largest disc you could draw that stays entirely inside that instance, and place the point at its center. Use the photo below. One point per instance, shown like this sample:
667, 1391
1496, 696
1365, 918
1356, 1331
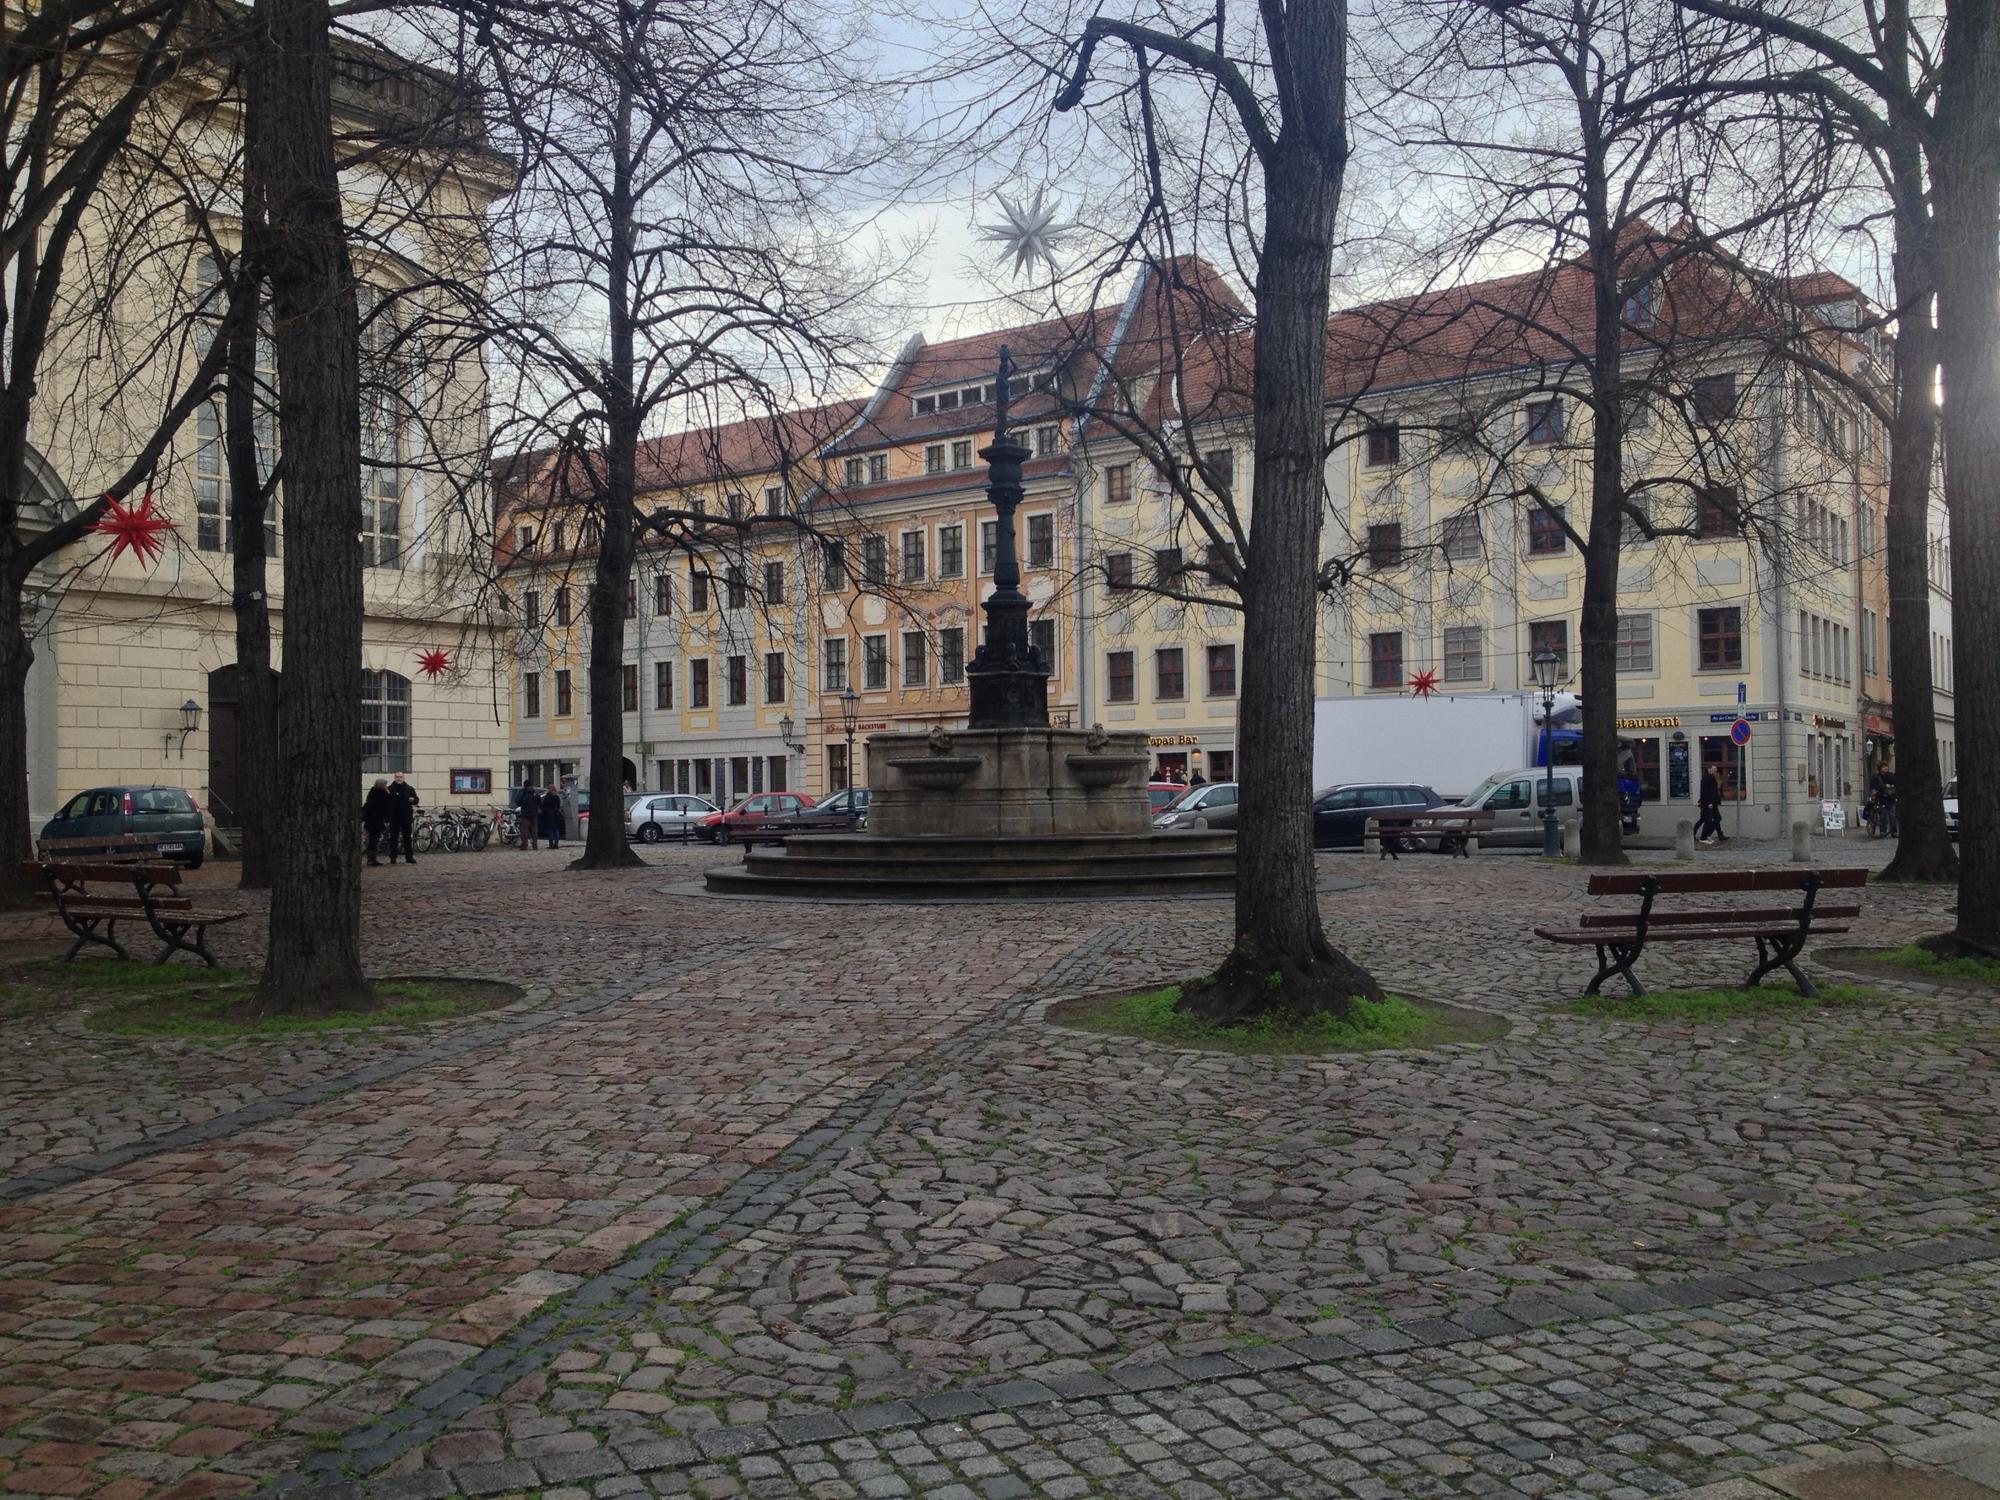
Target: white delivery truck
1449, 742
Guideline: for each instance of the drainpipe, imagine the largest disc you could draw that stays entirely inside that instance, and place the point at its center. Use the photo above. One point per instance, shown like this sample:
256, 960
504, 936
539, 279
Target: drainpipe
1776, 463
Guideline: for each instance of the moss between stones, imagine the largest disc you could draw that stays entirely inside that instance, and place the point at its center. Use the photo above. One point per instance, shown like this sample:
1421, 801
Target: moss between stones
1918, 959
1372, 1025
1719, 1005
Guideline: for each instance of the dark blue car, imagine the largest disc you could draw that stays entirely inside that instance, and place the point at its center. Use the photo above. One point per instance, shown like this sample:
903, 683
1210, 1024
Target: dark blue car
165, 813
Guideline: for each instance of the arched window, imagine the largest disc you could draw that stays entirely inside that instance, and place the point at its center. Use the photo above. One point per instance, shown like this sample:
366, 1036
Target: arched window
385, 722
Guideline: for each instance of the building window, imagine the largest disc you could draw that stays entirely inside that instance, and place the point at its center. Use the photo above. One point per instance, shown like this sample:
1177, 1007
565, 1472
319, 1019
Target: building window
1117, 484
1464, 653
738, 669
1716, 512
878, 468
631, 598
913, 557
1546, 536
774, 677
1221, 465
774, 583
951, 551
1385, 659
989, 545
385, 722
1713, 398
833, 666
1635, 643
1048, 440
774, 500
1385, 546
1120, 679
739, 586
531, 695
1169, 673
1168, 565
1460, 538
1222, 671
531, 611
1118, 572
1552, 636
215, 520
663, 594
874, 662
1545, 422
562, 605
1042, 636
736, 504
934, 458
1646, 763
853, 470
833, 565
915, 667
628, 688
875, 561
1385, 446
1640, 300
1218, 561
961, 454
1721, 634
1041, 541
951, 655
565, 705
698, 587
663, 684
698, 683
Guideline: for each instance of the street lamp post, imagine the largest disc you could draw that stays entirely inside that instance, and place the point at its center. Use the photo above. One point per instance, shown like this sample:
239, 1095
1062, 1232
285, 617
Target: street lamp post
1544, 664
850, 713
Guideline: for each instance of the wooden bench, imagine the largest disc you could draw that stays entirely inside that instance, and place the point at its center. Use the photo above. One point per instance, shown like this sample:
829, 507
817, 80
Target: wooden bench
1453, 828
92, 896
1779, 932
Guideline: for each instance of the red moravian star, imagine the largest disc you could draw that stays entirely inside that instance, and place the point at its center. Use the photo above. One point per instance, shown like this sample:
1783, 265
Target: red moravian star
1424, 683
136, 526
434, 663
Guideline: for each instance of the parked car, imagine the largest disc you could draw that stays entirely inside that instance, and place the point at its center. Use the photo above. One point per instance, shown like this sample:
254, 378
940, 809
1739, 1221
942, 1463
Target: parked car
1515, 800
166, 813
1341, 813
1951, 807
1160, 793
845, 808
652, 816
1199, 809
742, 820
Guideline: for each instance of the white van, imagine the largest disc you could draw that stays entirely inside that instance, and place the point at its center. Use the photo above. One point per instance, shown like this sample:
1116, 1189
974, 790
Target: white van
1515, 800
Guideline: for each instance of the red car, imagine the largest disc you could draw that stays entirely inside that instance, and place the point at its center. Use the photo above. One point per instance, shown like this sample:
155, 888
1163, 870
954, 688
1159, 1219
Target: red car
741, 822
1160, 793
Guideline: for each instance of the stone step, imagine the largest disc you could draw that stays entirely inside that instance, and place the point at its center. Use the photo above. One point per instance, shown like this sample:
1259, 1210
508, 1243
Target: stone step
806, 864
869, 885
929, 848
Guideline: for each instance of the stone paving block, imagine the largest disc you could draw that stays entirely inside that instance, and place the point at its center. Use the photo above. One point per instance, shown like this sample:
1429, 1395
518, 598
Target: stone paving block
1870, 1477
657, 1453
948, 1404
881, 1418
811, 1427
734, 1442
594, 1463
495, 1479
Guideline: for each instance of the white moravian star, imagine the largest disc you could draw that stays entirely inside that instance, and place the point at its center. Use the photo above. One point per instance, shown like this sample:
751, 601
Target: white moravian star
1029, 233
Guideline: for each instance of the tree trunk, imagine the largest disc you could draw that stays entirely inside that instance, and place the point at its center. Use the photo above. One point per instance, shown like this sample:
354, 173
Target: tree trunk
1923, 847
17, 890
1965, 175
1281, 960
604, 846
314, 962
256, 695
1600, 842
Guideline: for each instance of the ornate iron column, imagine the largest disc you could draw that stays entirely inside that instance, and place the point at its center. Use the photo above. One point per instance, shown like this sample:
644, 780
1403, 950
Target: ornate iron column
1008, 678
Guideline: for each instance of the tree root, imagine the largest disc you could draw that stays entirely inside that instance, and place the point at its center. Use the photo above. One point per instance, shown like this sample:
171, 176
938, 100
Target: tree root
1253, 983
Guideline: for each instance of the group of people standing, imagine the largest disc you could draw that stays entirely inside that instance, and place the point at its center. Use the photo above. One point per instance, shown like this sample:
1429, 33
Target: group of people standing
538, 810
391, 808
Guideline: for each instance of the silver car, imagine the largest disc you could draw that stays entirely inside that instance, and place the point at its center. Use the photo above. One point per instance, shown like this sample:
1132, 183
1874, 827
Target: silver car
1199, 809
665, 815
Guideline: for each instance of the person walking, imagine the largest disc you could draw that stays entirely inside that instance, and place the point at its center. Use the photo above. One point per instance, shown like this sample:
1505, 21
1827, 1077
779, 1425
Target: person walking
403, 805
527, 813
1708, 829
376, 811
552, 817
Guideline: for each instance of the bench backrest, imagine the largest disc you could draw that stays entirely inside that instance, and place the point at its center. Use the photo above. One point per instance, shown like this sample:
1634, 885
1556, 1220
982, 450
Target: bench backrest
1705, 882
116, 846
1456, 815
117, 873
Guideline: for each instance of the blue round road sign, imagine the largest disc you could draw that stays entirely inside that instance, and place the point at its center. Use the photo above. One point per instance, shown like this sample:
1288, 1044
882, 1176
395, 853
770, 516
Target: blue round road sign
1740, 731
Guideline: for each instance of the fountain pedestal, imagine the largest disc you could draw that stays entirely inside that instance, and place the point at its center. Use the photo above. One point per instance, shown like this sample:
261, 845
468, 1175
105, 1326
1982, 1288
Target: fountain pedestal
1007, 783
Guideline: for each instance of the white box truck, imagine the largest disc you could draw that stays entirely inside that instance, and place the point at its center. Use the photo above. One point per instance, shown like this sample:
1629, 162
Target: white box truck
1449, 742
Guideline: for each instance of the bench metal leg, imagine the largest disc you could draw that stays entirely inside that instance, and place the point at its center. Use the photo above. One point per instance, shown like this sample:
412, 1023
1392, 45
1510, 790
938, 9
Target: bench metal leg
86, 931
1776, 953
174, 935
1616, 958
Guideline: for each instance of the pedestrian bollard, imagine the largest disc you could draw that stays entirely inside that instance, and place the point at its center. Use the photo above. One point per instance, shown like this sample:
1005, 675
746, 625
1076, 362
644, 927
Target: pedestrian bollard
1684, 839
1801, 845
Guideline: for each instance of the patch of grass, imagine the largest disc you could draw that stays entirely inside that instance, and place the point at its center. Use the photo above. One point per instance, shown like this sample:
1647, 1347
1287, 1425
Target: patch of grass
1374, 1024
1719, 1005
1919, 958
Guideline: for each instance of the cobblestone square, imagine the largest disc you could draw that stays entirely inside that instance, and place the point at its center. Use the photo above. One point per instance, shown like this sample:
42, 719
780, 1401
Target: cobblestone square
808, 1199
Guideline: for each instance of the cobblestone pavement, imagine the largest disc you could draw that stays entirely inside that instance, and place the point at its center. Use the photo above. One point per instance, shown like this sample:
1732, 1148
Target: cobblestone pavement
735, 1168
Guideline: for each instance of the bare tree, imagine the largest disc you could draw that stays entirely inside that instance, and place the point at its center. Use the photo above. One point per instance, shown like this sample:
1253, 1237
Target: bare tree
1287, 106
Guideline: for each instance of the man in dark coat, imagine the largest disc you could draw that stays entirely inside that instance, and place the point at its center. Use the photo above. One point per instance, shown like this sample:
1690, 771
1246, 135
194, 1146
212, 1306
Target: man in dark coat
1708, 830
403, 801
552, 817
527, 813
375, 814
